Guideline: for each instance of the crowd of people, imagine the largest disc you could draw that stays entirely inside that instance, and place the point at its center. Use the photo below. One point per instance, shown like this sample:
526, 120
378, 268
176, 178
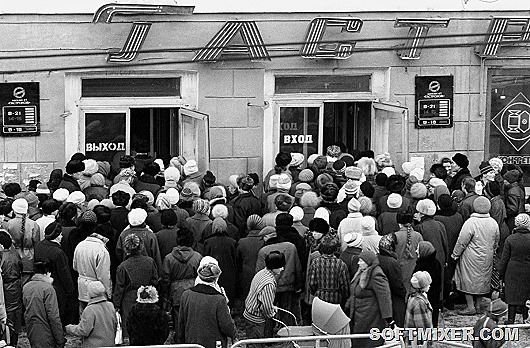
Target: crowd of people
165, 245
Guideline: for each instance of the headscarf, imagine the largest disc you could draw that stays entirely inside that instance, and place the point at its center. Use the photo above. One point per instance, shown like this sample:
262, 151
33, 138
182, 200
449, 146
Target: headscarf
425, 249
207, 260
362, 276
388, 242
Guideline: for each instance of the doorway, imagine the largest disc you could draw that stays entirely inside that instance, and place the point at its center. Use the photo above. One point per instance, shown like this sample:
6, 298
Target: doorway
348, 123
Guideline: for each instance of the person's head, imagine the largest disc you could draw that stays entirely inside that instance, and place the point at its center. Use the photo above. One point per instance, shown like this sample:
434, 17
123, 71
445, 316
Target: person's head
127, 161
498, 309
67, 211
246, 184
388, 242
209, 271
185, 238
447, 164
367, 258
5, 239
275, 262
309, 199
201, 206
11, 189
329, 192
151, 168
120, 198
49, 206
426, 207
43, 267
365, 205
139, 203
318, 227
438, 171
132, 244
481, 205
421, 281
405, 218
220, 210
53, 231
486, 171
74, 168
468, 184
6, 207
284, 220
283, 202
147, 294
328, 245
96, 289
102, 213
497, 164
168, 218
283, 159
136, 217
20, 206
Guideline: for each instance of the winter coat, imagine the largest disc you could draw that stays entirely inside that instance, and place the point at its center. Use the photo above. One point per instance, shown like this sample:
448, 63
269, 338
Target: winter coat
291, 279
350, 256
466, 206
167, 240
97, 327
118, 218
430, 264
498, 212
336, 214
369, 307
246, 258
69, 183
223, 248
135, 271
452, 222
456, 181
147, 325
62, 278
149, 247
382, 205
309, 213
197, 224
351, 224
96, 192
434, 231
245, 204
92, 262
290, 234
407, 262
390, 265
147, 182
204, 317
24, 244
515, 200
328, 279
419, 314
387, 222
179, 273
43, 323
299, 226
514, 267
475, 248
154, 219
11, 274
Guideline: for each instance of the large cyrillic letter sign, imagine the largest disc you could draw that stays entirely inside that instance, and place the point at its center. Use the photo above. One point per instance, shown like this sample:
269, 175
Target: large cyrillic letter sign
417, 33
316, 47
505, 31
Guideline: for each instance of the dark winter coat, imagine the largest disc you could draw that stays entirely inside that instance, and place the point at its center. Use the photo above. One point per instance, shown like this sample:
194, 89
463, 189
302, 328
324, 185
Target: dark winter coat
466, 206
350, 256
135, 271
291, 279
430, 264
96, 192
498, 213
197, 224
179, 273
515, 199
148, 325
452, 222
147, 182
246, 258
245, 204
204, 318
336, 214
223, 248
514, 267
456, 181
43, 323
167, 240
387, 222
11, 274
107, 231
62, 279
390, 265
118, 218
290, 234
154, 219
69, 183
434, 231
149, 247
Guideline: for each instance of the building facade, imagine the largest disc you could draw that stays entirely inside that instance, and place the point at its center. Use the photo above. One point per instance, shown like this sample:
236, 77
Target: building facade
231, 90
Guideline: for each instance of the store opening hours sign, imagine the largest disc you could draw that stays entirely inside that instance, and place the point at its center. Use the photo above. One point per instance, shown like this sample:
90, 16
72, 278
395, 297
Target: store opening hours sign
19, 102
434, 101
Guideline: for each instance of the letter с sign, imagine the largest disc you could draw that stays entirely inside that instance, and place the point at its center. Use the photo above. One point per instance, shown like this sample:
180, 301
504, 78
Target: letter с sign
298, 139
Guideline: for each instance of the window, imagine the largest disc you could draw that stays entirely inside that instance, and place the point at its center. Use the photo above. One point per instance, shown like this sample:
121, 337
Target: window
104, 135
299, 129
322, 84
130, 87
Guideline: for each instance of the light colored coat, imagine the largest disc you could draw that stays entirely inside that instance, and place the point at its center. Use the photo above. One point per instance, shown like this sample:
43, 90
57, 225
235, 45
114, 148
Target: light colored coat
475, 248
92, 262
351, 224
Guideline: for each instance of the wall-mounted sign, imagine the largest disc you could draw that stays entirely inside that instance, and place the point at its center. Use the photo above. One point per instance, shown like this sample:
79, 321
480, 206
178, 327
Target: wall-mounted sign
513, 121
434, 101
20, 108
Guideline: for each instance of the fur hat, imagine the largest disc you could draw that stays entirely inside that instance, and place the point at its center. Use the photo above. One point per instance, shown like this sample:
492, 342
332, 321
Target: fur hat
389, 171
61, 194
339, 166
394, 201
283, 159
246, 183
306, 175
366, 205
147, 294
461, 160
31, 197
296, 159
411, 180
354, 240
127, 161
323, 179
190, 167
481, 205
395, 183
418, 191
208, 178
52, 231
512, 176
97, 179
322, 213
418, 173
209, 272
420, 279
353, 173
426, 207
354, 205
445, 202
136, 217
275, 260
367, 165
273, 181
407, 167
333, 151
96, 289
201, 206
435, 182
76, 197
329, 192
367, 189
496, 162
383, 160
20, 206
319, 225
11, 189
297, 213
74, 166
522, 220
321, 162
284, 182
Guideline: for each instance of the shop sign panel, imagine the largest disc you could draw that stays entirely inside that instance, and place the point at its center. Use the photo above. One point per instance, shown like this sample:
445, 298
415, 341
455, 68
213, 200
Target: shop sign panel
513, 121
434, 101
20, 103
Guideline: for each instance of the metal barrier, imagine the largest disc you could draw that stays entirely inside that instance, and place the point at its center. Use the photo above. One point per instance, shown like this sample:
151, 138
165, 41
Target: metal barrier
317, 340
185, 345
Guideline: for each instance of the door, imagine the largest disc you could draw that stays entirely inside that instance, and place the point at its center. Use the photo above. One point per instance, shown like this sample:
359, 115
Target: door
348, 123
391, 129
194, 137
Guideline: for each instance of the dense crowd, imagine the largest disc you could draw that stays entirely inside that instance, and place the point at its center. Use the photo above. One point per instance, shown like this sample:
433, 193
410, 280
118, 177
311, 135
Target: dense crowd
164, 245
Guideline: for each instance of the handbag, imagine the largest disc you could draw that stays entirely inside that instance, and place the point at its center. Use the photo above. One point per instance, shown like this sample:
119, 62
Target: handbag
119, 332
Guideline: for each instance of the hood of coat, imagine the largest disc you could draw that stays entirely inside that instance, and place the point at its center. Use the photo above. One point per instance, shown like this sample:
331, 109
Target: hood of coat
183, 254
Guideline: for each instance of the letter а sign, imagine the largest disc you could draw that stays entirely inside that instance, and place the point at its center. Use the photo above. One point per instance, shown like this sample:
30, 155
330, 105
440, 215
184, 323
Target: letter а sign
513, 122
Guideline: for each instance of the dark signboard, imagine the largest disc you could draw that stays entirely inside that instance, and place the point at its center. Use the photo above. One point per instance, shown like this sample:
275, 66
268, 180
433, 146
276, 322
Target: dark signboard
434, 101
20, 108
299, 129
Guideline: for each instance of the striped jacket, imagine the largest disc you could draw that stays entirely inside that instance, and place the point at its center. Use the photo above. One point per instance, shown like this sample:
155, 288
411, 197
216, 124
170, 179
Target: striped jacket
259, 303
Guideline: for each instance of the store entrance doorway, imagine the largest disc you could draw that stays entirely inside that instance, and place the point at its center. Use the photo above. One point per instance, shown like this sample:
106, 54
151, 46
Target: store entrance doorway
349, 123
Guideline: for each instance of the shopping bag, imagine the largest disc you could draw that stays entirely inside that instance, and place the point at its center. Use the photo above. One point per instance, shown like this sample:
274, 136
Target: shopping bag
119, 333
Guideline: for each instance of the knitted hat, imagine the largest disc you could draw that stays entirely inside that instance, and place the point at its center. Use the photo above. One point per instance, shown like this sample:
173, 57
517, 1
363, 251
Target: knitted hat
172, 174
323, 179
33, 200
481, 205
76, 197
354, 240
407, 167
498, 307
97, 179
522, 220
20, 206
311, 158
173, 195
418, 173
333, 151
322, 213
319, 225
426, 207
74, 166
254, 222
89, 217
435, 182
339, 166
136, 217
201, 206
95, 288
367, 189
297, 213
127, 161
354, 205
418, 191
42, 189
512, 176
420, 279
306, 175
411, 180
190, 167
246, 183
91, 167
275, 260
147, 294
284, 182
162, 201
366, 205
131, 243
208, 178
353, 173
52, 231
368, 226
461, 160
351, 188
283, 159
368, 256
267, 232
445, 202
321, 162
394, 201
209, 273
329, 192
388, 171
485, 167
296, 159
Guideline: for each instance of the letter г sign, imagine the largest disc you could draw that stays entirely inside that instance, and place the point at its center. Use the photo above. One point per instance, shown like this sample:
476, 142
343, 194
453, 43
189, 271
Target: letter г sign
316, 47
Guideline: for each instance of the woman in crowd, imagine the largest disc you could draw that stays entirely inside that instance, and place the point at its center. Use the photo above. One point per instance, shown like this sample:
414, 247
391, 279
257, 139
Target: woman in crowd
147, 324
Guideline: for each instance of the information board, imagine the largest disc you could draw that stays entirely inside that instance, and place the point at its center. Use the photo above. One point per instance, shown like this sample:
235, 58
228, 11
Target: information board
434, 101
19, 102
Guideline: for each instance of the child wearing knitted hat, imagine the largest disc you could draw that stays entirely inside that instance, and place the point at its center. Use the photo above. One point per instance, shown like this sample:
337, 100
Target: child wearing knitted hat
419, 309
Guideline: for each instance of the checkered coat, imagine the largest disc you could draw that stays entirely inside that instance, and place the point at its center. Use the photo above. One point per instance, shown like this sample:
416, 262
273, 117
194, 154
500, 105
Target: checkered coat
419, 311
328, 279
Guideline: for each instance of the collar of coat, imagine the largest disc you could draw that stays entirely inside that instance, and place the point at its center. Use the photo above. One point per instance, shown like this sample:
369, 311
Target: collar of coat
478, 215
42, 278
98, 299
420, 297
205, 289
